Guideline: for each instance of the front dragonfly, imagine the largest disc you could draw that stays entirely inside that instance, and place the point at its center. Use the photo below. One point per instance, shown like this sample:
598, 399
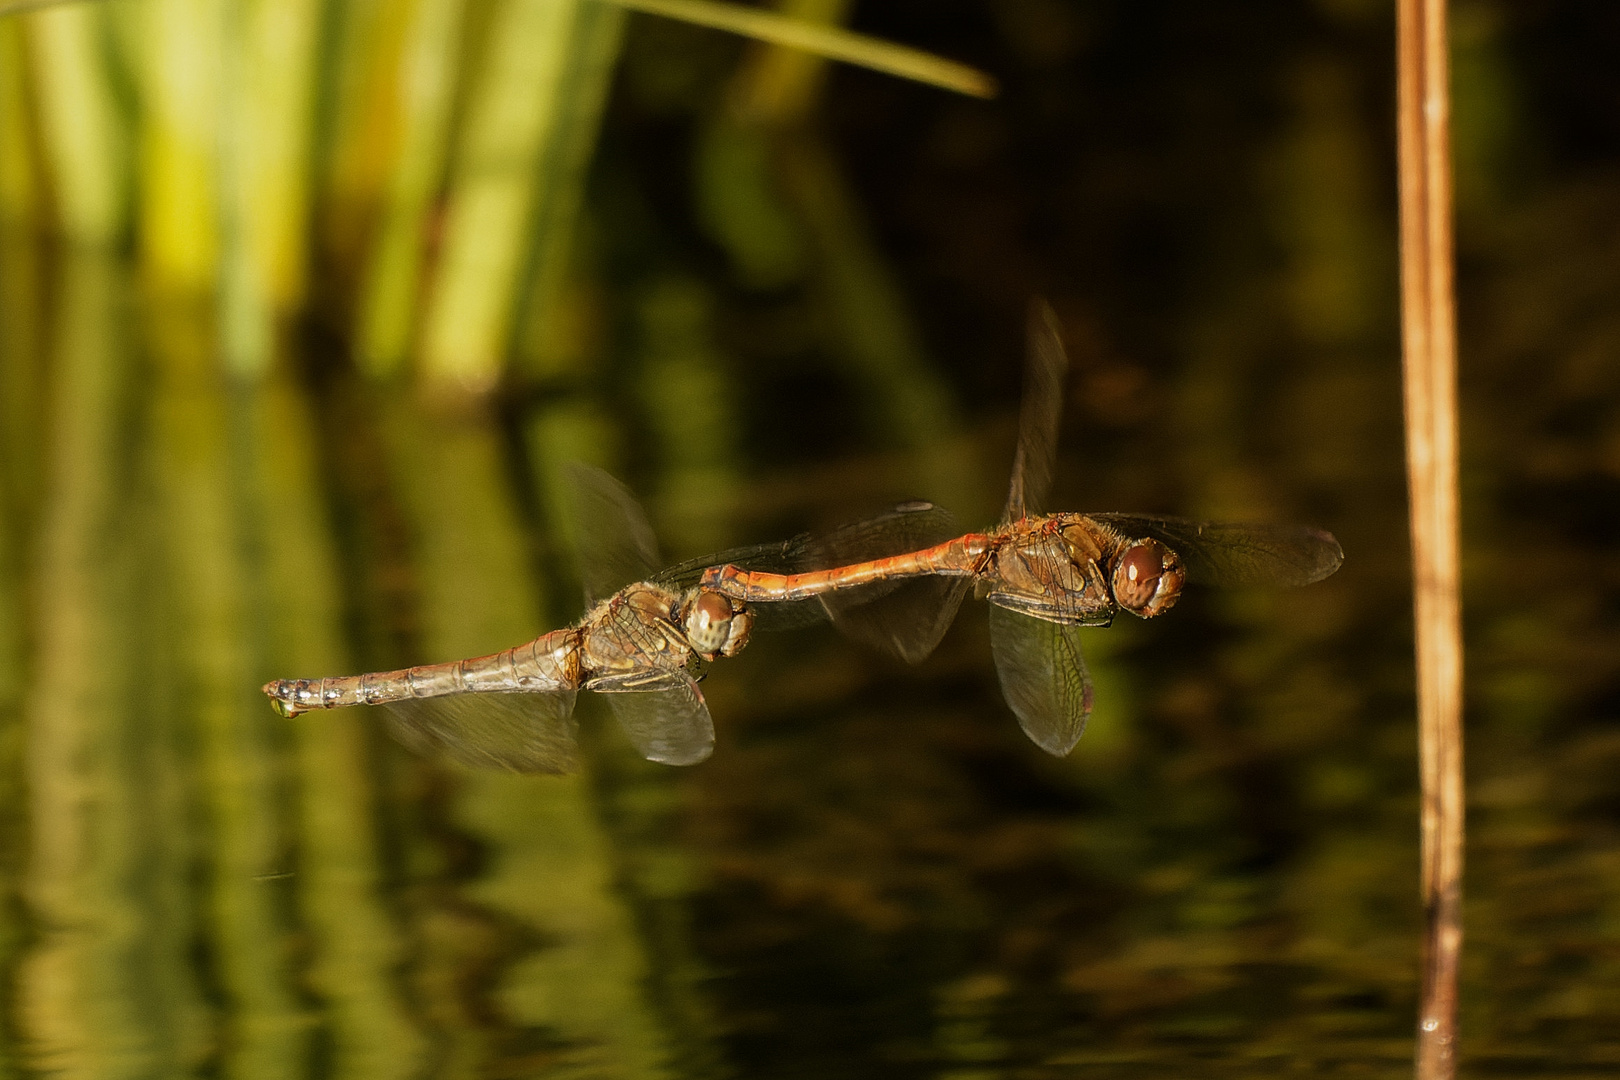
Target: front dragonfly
1046, 575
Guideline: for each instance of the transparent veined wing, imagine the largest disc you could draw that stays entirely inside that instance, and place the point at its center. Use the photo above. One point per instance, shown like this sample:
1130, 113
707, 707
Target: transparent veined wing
904, 617
670, 725
909, 621
782, 557
1046, 365
613, 539
1043, 677
1236, 554
526, 733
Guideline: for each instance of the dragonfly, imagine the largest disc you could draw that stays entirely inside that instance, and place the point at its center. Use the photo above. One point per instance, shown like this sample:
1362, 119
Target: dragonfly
643, 644
1046, 575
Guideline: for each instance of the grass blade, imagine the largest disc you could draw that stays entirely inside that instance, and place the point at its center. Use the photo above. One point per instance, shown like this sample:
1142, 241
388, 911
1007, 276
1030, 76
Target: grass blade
427, 82
511, 120
833, 42
21, 192
179, 156
356, 144
560, 181
264, 144
80, 124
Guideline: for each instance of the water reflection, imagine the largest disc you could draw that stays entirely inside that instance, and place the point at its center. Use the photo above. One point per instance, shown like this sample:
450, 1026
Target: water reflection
875, 873
208, 887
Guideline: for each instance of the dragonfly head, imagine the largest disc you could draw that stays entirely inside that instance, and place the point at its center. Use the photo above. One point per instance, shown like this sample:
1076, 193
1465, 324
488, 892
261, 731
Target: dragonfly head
1147, 578
715, 625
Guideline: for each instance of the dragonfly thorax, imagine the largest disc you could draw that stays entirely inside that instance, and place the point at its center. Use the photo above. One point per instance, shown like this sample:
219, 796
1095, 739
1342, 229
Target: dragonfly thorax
1049, 569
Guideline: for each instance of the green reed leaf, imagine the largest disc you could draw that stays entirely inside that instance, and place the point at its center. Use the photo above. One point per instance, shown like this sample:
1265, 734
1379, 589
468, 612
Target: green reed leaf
832, 42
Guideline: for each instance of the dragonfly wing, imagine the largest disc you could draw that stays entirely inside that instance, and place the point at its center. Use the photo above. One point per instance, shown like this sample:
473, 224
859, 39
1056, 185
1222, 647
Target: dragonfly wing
906, 618
1045, 367
527, 733
1233, 554
612, 537
669, 725
1043, 677
910, 526
778, 558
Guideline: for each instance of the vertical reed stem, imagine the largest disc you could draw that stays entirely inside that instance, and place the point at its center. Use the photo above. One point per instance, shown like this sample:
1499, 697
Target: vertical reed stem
1428, 319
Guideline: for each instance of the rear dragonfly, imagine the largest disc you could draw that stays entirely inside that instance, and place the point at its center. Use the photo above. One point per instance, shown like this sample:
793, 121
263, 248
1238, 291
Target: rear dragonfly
643, 644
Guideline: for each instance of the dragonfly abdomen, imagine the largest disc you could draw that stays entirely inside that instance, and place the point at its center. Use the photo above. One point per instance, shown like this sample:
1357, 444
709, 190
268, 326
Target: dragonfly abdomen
954, 558
548, 663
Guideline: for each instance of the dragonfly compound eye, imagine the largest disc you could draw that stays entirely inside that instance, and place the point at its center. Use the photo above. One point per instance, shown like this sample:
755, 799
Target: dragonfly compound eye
1147, 578
708, 623
742, 622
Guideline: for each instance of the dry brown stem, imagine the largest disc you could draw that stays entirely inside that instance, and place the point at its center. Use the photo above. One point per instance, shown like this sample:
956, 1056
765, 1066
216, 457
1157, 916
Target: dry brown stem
1428, 319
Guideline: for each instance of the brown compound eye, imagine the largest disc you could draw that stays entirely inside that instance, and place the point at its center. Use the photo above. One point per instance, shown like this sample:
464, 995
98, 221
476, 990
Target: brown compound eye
1147, 578
742, 624
708, 622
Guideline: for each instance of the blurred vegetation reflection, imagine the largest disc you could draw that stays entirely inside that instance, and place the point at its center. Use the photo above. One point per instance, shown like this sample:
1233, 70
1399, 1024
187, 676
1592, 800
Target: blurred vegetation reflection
304, 305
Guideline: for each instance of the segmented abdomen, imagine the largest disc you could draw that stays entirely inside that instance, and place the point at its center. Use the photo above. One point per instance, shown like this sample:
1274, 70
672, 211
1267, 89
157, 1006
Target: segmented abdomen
954, 558
549, 662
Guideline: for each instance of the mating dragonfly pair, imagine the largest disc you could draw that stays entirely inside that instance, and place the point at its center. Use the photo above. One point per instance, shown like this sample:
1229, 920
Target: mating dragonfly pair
894, 581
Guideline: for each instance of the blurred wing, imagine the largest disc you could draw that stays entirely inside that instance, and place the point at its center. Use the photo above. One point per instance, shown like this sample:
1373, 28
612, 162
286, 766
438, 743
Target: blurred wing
905, 618
614, 542
1224, 553
526, 733
670, 725
911, 526
1038, 420
778, 558
1043, 677
907, 621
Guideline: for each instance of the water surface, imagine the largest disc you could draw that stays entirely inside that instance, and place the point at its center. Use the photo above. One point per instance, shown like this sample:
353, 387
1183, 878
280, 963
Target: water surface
875, 874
